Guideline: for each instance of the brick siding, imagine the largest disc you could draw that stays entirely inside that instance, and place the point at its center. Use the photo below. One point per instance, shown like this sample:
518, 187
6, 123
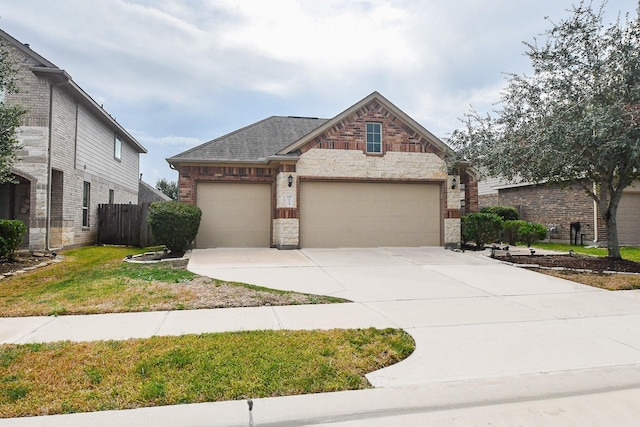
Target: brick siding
552, 205
350, 134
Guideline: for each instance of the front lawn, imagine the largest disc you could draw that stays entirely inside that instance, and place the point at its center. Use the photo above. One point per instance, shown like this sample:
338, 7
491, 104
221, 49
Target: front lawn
95, 280
64, 377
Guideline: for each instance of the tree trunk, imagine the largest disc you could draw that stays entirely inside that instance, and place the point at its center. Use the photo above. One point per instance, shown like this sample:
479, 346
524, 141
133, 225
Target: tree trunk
608, 206
613, 247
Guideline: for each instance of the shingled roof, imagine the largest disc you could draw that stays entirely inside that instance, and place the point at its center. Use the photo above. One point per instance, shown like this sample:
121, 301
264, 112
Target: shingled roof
253, 143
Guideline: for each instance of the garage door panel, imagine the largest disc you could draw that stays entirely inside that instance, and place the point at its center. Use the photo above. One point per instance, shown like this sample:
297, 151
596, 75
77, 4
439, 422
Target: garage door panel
629, 219
234, 215
369, 214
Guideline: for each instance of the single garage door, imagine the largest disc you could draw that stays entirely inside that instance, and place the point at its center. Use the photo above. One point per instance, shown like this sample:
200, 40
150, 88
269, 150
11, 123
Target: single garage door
629, 219
234, 215
363, 214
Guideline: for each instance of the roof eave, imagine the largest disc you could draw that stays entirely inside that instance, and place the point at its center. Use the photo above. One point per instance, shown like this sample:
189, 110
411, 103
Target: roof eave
262, 161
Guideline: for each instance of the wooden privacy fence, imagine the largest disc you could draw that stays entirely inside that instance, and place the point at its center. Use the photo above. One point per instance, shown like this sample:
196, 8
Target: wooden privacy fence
124, 225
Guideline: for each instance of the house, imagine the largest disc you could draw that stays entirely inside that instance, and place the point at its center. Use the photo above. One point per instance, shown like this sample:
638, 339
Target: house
557, 206
74, 156
370, 176
149, 194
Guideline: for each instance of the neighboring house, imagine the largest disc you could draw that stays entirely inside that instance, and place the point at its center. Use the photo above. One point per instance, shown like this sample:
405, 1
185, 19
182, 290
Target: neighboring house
74, 156
371, 176
557, 206
149, 194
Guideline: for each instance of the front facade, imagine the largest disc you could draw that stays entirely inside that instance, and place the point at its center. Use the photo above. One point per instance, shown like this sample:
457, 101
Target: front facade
369, 177
74, 156
557, 206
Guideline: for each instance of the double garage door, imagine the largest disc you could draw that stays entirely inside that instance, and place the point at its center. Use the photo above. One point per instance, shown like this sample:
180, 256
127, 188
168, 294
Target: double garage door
332, 214
364, 214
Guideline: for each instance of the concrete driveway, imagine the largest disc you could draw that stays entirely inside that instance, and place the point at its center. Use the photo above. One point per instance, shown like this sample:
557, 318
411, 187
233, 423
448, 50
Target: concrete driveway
495, 344
471, 317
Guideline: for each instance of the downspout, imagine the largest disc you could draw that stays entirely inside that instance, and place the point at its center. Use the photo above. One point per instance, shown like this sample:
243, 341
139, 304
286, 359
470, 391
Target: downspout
49, 174
49, 143
595, 216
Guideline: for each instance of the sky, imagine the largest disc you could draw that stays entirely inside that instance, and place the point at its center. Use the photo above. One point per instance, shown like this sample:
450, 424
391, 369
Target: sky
178, 73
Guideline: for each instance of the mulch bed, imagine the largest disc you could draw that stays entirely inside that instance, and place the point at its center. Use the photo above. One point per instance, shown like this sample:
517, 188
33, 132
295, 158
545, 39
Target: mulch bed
576, 262
22, 262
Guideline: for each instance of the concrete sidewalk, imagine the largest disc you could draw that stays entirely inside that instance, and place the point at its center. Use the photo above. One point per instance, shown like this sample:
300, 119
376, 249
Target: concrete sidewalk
486, 334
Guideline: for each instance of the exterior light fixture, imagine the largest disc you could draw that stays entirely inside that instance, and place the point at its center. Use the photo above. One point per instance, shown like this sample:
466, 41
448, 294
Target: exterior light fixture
454, 183
290, 181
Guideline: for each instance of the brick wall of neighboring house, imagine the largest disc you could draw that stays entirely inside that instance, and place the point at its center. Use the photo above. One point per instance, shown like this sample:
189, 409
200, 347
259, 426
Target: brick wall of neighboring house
48, 160
487, 200
33, 135
553, 205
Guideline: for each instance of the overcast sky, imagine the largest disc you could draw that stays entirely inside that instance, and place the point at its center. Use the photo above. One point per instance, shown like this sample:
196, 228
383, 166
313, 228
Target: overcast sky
177, 73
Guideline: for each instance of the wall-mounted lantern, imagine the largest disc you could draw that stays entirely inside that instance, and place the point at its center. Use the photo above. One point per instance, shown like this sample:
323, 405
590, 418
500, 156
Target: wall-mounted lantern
290, 181
454, 183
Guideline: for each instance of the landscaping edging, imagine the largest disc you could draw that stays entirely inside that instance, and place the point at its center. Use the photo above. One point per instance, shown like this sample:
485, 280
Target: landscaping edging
154, 257
56, 260
573, 270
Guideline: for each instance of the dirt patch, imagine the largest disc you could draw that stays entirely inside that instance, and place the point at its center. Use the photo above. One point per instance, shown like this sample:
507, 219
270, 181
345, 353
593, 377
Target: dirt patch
24, 262
574, 262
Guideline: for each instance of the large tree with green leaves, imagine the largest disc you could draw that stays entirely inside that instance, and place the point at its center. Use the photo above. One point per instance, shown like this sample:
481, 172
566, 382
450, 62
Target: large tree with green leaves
168, 188
576, 119
9, 114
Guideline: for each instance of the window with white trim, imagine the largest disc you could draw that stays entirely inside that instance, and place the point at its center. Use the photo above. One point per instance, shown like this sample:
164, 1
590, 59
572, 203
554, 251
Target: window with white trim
86, 193
374, 137
117, 148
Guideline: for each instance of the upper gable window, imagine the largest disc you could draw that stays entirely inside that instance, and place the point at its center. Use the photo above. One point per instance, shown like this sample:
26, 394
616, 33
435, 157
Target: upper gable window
374, 137
117, 148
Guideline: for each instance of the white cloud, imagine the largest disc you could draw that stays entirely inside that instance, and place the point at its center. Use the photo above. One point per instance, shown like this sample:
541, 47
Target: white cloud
199, 68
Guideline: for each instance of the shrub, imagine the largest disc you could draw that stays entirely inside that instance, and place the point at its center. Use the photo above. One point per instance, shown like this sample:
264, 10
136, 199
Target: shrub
174, 224
532, 232
511, 229
481, 228
504, 212
11, 233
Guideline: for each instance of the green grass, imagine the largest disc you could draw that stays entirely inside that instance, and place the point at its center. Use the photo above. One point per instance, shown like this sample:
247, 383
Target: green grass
95, 280
64, 377
631, 254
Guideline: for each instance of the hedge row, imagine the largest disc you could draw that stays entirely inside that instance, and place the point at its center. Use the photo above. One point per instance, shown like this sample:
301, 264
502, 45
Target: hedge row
500, 223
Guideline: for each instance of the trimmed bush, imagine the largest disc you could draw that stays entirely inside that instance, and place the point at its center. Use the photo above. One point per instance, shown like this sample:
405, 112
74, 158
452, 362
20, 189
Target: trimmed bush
174, 224
511, 229
504, 212
480, 228
11, 234
532, 232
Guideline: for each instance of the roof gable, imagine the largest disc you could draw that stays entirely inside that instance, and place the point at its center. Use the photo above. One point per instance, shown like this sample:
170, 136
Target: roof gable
421, 139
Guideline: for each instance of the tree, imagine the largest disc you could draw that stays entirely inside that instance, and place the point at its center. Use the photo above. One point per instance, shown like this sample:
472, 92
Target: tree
169, 188
576, 119
9, 115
